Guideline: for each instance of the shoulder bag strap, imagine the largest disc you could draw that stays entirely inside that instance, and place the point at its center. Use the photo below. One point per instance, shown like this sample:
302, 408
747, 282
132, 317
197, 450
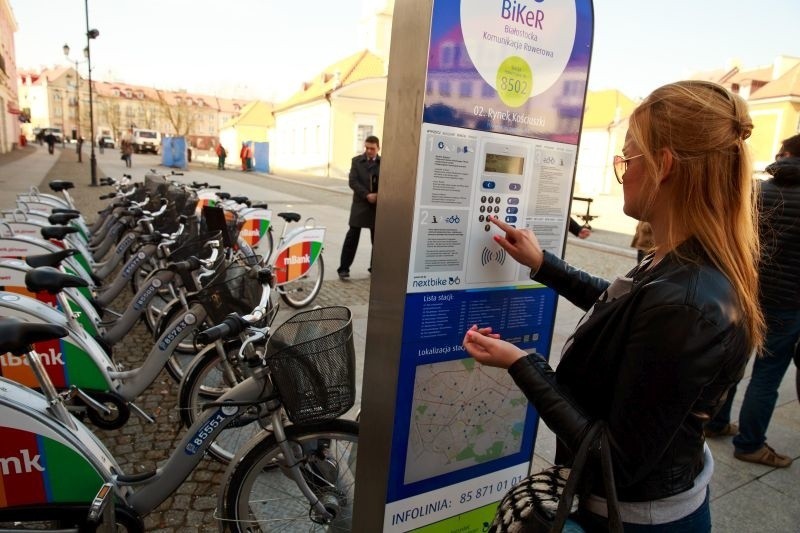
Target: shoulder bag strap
614, 518
568, 494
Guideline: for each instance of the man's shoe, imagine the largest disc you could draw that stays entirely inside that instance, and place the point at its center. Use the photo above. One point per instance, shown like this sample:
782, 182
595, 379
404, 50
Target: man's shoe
726, 431
343, 274
765, 456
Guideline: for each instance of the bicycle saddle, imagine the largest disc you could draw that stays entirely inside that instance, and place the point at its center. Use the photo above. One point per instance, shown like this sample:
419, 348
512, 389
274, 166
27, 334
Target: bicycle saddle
290, 217
50, 260
61, 185
223, 195
61, 218
65, 210
17, 337
51, 280
57, 232
241, 200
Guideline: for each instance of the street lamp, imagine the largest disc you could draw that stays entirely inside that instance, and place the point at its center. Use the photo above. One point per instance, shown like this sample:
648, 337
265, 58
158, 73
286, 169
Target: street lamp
78, 94
91, 34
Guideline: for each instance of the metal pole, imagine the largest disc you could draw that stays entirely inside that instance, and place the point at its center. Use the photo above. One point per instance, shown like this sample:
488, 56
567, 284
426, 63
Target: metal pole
92, 158
78, 111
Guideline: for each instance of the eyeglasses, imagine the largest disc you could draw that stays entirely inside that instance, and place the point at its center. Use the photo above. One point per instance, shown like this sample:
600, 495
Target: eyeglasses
621, 166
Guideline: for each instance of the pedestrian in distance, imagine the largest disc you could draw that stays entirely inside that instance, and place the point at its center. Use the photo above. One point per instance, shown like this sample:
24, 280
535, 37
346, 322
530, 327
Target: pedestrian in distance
779, 276
127, 152
365, 171
79, 149
581, 232
660, 346
221, 154
50, 139
243, 155
102, 144
642, 240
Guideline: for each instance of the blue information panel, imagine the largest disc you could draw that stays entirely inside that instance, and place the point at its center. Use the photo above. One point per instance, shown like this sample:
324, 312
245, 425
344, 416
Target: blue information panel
505, 89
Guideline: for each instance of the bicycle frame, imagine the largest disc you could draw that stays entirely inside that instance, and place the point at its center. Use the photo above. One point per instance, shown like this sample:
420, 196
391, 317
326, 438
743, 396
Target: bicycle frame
297, 250
256, 226
12, 277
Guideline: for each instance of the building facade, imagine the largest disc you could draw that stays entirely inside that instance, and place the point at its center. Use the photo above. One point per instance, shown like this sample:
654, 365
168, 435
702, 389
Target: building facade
9, 99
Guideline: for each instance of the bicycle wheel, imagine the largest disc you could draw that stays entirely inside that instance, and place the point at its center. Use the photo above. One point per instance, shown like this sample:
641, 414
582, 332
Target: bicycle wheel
301, 292
207, 378
258, 497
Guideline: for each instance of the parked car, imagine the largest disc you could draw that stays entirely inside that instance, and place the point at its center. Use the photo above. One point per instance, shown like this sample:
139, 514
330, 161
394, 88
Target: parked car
107, 141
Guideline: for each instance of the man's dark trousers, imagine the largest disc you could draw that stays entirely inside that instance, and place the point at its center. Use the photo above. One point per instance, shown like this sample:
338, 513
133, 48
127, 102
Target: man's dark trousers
350, 246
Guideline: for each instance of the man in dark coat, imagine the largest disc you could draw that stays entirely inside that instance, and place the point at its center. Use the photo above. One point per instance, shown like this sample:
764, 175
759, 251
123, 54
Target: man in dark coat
364, 172
779, 277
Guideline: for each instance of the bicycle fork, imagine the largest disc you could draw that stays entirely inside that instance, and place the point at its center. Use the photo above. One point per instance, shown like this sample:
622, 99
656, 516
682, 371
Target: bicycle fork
321, 512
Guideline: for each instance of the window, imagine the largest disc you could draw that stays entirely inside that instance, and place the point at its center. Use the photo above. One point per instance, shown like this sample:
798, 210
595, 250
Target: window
444, 87
572, 88
128, 93
465, 89
362, 132
115, 93
140, 95
446, 54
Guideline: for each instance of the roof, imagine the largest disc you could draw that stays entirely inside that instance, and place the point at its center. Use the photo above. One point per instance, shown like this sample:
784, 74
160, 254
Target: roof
359, 66
256, 113
786, 85
603, 108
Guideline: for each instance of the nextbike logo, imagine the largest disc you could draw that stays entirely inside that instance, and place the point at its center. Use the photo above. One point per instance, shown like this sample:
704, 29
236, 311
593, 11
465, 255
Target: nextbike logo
20, 465
437, 282
297, 260
50, 357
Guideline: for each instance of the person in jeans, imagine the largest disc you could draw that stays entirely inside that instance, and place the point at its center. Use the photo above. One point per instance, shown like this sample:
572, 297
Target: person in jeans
660, 346
365, 170
779, 275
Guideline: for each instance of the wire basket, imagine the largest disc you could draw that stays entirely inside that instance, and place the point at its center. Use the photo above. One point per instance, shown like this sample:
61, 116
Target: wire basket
234, 288
312, 361
193, 246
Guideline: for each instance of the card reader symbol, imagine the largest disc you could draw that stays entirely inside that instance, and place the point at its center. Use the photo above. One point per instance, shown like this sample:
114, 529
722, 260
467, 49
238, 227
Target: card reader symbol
489, 256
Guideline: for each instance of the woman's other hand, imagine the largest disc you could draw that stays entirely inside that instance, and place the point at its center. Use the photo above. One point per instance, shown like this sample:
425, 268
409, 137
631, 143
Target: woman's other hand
521, 244
488, 349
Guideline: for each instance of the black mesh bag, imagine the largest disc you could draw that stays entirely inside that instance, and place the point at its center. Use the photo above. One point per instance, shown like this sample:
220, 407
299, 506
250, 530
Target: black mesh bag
234, 288
312, 362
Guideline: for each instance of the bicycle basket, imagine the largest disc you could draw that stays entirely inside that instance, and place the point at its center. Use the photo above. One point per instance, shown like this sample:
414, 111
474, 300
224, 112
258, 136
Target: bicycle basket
193, 246
234, 288
312, 361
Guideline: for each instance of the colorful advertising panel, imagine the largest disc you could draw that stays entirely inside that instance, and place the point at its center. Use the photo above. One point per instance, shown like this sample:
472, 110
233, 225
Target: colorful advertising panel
504, 94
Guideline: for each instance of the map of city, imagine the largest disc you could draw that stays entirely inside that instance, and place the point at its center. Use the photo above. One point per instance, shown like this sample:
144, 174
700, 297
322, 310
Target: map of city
463, 414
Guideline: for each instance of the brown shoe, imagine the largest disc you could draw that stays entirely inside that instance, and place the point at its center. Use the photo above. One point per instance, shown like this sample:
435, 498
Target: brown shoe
765, 456
727, 431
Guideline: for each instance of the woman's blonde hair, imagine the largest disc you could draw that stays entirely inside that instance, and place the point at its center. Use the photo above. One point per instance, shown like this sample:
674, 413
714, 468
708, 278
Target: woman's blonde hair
710, 192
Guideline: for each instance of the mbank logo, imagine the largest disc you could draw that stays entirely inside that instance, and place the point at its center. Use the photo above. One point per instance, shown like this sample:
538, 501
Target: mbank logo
24, 464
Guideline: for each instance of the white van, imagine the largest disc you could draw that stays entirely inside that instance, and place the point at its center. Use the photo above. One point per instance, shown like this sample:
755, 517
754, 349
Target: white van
145, 140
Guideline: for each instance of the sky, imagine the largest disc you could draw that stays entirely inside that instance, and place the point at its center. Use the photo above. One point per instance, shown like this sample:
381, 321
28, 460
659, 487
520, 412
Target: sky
266, 49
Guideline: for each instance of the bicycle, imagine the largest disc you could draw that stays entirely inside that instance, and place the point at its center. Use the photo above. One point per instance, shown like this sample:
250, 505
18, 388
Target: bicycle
302, 473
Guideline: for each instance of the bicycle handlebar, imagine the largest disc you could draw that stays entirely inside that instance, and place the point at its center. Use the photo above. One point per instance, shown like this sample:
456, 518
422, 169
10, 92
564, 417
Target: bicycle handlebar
232, 325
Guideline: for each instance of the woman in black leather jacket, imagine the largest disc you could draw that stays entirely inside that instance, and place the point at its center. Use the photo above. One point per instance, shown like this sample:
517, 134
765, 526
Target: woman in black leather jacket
659, 347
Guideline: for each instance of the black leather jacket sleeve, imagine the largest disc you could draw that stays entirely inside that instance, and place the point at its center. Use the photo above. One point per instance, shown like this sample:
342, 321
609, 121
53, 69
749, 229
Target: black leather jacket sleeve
577, 286
537, 380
